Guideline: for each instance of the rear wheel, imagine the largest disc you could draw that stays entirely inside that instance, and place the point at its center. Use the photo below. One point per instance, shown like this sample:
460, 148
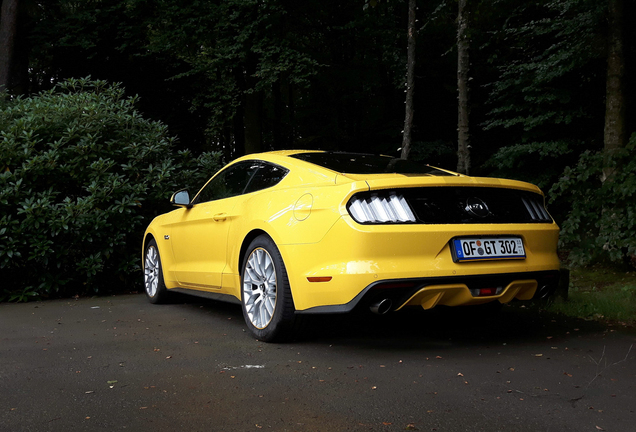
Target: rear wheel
266, 297
153, 274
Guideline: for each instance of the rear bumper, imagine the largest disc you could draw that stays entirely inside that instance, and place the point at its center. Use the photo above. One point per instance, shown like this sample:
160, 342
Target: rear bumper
413, 263
449, 291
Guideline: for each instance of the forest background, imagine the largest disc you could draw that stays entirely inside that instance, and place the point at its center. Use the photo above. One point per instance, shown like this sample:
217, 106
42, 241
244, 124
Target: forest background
539, 90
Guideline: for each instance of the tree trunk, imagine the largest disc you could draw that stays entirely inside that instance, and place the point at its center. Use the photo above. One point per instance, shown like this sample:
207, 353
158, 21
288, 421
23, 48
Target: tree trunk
253, 127
463, 66
238, 121
410, 82
253, 101
277, 129
615, 91
291, 133
8, 31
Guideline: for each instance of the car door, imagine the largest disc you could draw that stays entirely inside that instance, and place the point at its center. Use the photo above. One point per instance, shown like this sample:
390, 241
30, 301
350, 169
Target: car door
199, 237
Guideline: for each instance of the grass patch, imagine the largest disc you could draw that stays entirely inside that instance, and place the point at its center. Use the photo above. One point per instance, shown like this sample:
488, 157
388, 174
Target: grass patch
600, 293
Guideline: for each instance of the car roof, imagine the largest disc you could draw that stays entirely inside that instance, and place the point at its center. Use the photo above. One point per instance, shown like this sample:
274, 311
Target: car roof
315, 173
345, 163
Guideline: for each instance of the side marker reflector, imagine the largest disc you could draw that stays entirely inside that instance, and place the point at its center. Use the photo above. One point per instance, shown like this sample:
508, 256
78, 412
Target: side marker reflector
319, 279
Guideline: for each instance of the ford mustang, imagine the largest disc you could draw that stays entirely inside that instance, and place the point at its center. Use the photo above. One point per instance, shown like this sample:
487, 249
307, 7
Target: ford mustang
288, 233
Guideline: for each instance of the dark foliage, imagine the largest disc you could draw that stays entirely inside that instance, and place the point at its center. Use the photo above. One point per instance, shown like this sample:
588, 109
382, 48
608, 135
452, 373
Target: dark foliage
82, 173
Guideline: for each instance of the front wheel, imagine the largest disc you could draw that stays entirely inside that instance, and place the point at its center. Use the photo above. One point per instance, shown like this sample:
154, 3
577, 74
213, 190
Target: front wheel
153, 274
266, 297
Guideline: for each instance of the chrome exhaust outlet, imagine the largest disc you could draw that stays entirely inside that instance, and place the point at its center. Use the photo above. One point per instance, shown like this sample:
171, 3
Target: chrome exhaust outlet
544, 292
381, 307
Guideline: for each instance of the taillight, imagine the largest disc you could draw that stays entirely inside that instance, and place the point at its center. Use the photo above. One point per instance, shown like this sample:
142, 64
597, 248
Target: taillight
536, 210
389, 207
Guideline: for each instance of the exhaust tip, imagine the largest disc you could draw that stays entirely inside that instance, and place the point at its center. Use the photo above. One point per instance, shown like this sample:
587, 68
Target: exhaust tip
381, 307
544, 292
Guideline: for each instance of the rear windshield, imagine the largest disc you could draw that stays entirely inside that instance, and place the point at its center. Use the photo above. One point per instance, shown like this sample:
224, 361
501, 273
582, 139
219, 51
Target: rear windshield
358, 163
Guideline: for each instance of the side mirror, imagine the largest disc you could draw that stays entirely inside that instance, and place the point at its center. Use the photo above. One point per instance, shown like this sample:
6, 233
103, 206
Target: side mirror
181, 198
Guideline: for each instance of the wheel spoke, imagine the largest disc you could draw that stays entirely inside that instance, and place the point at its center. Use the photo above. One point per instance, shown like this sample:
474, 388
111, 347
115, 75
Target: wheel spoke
250, 299
262, 315
251, 273
268, 305
258, 263
269, 272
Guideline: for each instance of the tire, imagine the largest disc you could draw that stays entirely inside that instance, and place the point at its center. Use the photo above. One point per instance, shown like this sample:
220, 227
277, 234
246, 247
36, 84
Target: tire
268, 307
154, 285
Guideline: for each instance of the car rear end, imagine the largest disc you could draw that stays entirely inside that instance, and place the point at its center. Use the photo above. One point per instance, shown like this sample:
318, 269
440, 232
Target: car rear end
428, 240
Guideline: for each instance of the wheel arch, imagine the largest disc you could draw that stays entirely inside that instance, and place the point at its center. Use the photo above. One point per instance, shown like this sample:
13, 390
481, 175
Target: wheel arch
147, 237
246, 242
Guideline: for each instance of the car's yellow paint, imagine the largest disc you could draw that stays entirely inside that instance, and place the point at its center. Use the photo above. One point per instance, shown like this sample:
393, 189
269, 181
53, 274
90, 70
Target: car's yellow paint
306, 216
358, 255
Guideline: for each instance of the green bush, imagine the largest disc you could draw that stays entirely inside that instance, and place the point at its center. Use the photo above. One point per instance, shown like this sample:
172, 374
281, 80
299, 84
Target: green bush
81, 175
601, 222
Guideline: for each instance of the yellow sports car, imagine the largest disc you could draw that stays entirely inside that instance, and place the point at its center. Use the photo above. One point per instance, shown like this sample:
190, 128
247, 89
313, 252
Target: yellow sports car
288, 233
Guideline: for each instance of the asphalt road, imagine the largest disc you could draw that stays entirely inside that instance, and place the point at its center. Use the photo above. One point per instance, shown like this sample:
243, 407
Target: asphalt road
118, 363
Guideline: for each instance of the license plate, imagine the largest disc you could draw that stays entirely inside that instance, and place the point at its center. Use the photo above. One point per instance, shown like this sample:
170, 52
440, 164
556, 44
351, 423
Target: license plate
488, 248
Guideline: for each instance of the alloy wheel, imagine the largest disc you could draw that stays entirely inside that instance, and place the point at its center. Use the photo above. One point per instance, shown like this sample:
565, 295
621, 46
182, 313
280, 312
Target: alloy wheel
259, 288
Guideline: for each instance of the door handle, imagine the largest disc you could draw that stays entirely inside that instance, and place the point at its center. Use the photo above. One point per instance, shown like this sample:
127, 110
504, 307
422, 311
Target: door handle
220, 217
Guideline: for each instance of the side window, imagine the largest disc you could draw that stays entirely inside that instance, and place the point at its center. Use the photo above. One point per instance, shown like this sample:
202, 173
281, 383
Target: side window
230, 182
267, 176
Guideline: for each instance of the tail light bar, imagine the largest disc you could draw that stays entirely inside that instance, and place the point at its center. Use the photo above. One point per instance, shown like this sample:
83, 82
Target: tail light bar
383, 207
